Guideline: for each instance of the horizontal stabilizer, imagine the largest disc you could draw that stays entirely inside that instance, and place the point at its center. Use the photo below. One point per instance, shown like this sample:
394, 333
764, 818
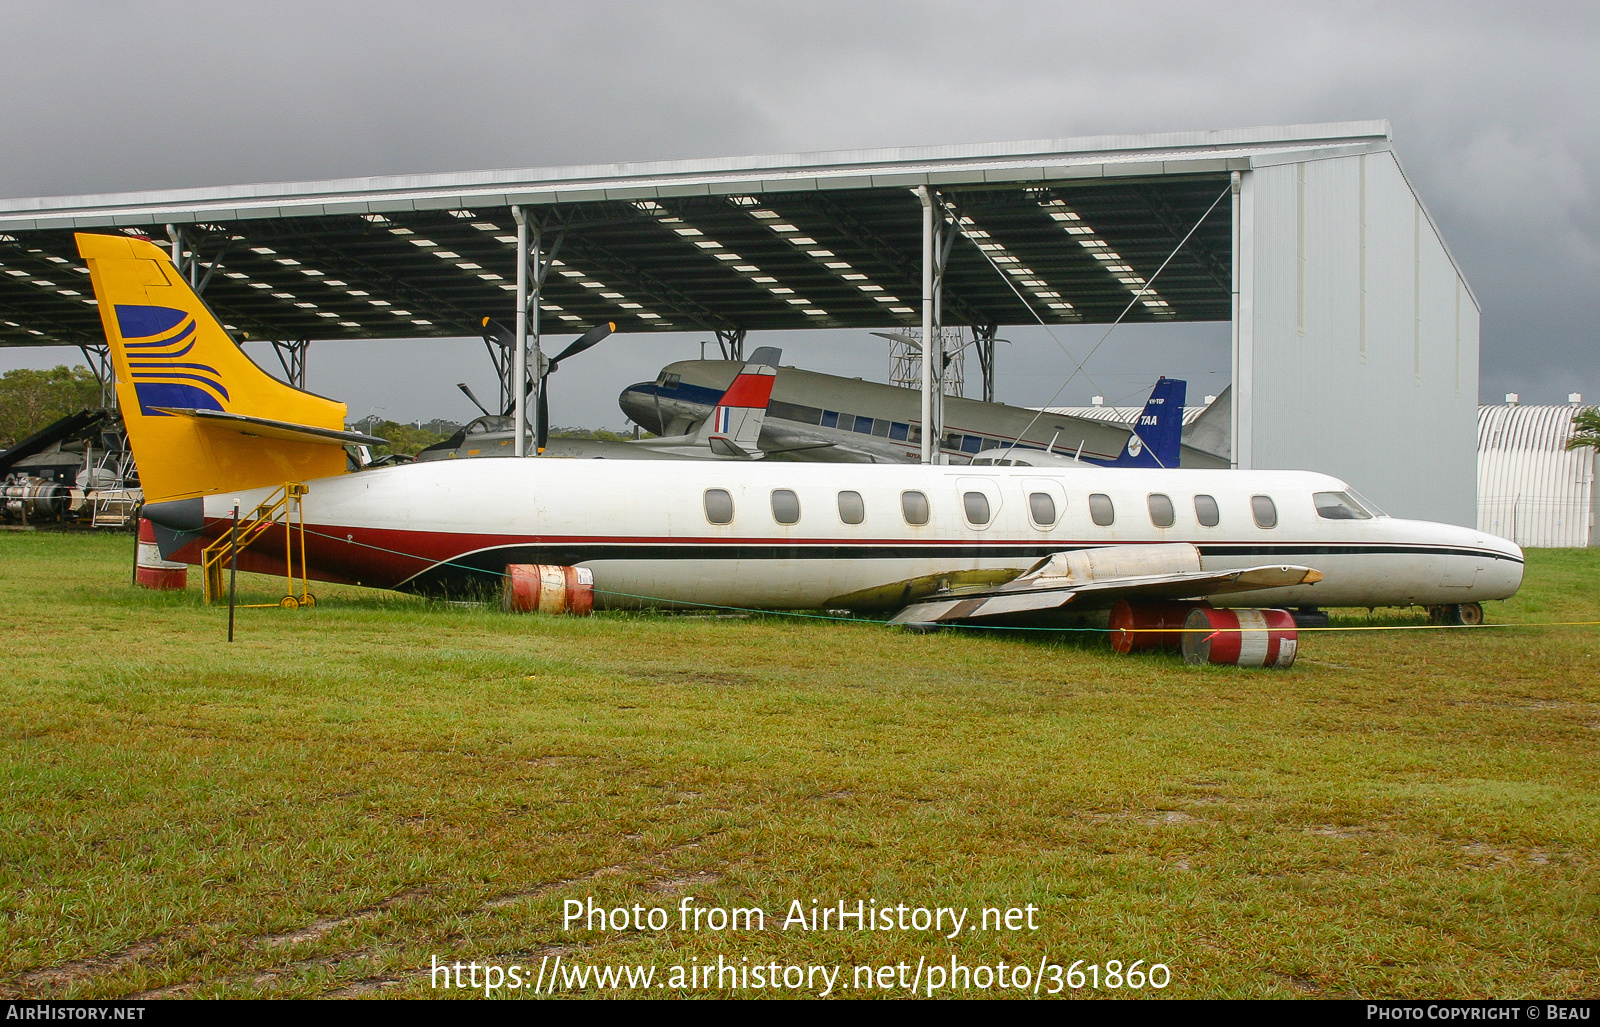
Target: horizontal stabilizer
723, 446
261, 427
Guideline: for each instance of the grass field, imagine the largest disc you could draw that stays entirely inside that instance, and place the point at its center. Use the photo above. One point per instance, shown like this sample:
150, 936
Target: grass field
346, 793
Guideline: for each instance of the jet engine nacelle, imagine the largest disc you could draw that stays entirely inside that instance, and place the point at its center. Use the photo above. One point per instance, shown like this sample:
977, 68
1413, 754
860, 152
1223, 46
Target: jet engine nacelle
1083, 565
34, 499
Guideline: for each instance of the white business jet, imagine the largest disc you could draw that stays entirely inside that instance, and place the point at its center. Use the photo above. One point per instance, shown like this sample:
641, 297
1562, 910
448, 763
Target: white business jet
933, 544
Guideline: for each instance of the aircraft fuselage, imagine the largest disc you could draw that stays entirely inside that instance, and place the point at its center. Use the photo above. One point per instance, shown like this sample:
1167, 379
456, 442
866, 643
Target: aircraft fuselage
644, 529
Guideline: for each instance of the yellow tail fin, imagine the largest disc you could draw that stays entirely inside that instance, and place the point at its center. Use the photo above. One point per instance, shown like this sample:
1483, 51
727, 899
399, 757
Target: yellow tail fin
180, 377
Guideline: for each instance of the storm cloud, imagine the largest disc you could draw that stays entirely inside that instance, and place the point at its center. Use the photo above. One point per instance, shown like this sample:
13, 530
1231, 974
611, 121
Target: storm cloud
1493, 109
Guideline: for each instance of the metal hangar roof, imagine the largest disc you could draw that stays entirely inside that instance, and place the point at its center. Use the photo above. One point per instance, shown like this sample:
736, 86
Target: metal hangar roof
1063, 230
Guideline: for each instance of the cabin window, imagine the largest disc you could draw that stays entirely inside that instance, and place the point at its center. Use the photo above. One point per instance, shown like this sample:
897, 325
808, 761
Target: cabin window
851, 509
977, 508
719, 506
785, 506
915, 507
1161, 513
899, 432
1265, 511
863, 425
1339, 506
971, 444
1042, 508
830, 418
1100, 509
1205, 511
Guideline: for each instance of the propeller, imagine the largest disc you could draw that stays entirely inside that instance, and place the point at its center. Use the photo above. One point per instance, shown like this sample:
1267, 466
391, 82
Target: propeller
916, 344
578, 345
496, 334
463, 387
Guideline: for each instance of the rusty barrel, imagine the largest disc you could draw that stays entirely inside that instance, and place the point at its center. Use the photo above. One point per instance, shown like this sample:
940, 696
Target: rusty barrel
151, 570
1241, 638
1139, 626
547, 588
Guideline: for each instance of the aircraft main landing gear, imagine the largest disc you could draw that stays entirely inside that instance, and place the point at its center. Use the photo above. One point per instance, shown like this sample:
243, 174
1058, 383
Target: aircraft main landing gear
1457, 613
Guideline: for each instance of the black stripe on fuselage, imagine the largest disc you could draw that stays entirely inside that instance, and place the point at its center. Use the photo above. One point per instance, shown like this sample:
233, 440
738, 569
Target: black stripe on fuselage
1335, 549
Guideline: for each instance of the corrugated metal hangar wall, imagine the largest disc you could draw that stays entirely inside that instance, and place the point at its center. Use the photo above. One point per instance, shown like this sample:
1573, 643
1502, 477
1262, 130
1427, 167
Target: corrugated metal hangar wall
1531, 488
1356, 338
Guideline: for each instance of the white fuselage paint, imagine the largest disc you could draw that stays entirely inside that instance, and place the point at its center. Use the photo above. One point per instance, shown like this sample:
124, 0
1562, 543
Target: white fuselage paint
642, 528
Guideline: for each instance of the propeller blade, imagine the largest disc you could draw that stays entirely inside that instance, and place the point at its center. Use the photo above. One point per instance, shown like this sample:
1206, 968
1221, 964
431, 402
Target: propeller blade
901, 338
498, 334
582, 343
542, 430
463, 387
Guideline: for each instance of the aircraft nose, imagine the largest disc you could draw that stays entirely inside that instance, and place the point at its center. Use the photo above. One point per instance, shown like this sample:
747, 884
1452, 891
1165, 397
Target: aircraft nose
1502, 577
1502, 546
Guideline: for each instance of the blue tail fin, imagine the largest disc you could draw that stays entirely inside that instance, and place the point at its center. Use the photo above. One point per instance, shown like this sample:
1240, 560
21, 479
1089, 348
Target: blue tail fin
1157, 436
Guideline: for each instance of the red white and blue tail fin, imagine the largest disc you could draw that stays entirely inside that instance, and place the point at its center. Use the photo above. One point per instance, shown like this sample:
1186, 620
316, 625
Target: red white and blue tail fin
735, 422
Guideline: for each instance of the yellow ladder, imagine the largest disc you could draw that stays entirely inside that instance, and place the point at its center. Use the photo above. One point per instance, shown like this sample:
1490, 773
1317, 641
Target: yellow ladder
285, 501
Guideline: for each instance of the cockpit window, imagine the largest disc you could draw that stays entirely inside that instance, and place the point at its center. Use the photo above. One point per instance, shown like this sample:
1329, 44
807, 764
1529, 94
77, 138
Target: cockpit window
1366, 504
1339, 506
669, 381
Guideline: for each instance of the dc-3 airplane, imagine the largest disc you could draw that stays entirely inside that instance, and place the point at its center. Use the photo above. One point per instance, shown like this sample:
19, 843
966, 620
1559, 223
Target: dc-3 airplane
850, 420
931, 544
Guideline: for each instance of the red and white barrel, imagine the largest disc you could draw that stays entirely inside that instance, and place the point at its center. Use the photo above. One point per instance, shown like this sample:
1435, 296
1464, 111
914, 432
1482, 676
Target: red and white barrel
1241, 638
1139, 626
547, 588
154, 572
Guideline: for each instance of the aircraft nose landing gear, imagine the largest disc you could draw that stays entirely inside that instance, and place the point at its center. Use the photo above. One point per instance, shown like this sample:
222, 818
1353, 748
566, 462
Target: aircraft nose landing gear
1457, 613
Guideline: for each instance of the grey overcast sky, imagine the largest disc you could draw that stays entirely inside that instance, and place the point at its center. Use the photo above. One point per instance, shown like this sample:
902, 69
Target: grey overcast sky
1495, 106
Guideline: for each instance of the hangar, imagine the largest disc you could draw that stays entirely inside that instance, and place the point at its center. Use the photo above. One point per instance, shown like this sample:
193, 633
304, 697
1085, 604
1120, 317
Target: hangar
1355, 336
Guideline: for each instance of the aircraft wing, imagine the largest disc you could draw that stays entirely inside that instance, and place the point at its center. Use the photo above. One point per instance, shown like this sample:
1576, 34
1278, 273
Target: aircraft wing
956, 607
1088, 579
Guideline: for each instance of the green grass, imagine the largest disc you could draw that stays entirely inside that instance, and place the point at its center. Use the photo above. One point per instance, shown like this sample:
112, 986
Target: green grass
346, 792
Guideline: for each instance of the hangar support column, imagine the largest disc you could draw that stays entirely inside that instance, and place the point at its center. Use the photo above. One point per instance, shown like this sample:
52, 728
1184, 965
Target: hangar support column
292, 356
1243, 315
930, 430
519, 371
731, 342
98, 354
